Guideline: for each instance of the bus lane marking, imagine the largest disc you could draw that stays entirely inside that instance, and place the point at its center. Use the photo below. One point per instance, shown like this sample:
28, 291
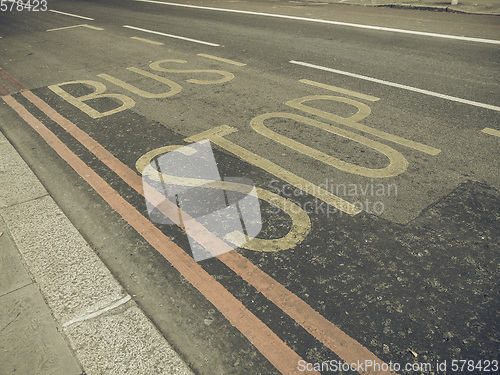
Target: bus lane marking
328, 333
399, 86
78, 102
397, 162
175, 88
353, 121
347, 348
340, 90
301, 183
171, 36
226, 76
71, 15
216, 135
259, 334
232, 62
301, 224
146, 40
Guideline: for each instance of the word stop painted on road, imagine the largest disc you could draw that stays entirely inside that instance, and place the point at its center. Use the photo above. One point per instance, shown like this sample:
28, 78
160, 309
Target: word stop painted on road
217, 214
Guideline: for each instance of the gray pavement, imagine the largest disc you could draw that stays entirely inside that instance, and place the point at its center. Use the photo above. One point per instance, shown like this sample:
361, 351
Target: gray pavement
462, 6
61, 310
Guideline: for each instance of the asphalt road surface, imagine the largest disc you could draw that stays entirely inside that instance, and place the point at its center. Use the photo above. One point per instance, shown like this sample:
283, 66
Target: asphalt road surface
374, 151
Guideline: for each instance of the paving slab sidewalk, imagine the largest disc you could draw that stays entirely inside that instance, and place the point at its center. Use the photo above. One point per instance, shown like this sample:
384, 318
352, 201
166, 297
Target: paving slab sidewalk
61, 310
491, 7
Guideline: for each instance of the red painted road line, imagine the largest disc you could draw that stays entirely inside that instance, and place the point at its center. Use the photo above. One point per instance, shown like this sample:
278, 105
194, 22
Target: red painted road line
12, 81
348, 349
263, 338
322, 329
116, 165
4, 91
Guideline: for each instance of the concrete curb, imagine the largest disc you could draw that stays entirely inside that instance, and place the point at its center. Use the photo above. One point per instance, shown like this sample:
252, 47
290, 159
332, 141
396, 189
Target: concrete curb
106, 331
469, 7
447, 9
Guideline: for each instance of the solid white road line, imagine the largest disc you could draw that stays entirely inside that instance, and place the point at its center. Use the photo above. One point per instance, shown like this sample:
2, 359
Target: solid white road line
172, 36
400, 86
390, 29
71, 15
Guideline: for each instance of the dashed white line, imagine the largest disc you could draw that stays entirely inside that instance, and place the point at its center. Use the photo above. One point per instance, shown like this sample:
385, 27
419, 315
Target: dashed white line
172, 36
72, 27
71, 15
390, 29
400, 86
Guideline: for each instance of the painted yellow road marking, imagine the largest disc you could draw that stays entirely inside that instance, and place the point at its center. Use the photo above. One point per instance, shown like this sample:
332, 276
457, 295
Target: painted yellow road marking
78, 102
127, 102
146, 40
145, 159
221, 59
301, 224
216, 135
236, 237
352, 121
397, 162
491, 131
175, 88
226, 76
71, 27
340, 90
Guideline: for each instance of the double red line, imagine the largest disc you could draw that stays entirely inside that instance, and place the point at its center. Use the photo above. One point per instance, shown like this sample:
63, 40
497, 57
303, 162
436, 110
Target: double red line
261, 336
11, 81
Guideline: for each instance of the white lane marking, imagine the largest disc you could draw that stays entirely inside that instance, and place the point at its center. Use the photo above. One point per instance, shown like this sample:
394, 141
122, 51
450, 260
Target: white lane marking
390, 29
172, 36
71, 27
491, 131
114, 305
400, 86
71, 15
